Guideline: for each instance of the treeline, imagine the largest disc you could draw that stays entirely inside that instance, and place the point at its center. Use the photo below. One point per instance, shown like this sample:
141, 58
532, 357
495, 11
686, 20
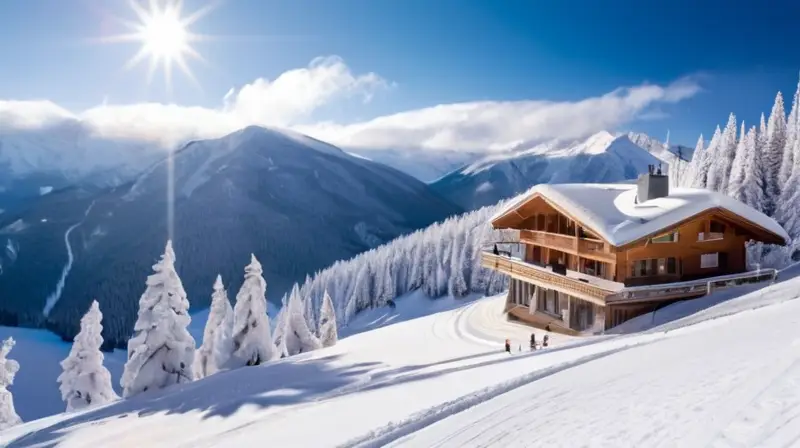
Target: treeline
442, 259
758, 165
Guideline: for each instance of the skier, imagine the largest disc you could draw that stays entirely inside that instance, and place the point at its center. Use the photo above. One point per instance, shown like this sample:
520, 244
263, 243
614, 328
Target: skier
508, 346
546, 338
533, 341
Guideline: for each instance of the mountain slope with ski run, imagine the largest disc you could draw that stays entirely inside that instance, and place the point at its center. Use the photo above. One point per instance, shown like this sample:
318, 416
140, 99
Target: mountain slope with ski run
297, 203
442, 379
601, 158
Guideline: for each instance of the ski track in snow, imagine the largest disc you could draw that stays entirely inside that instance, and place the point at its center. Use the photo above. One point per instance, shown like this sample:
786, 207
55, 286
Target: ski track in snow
53, 298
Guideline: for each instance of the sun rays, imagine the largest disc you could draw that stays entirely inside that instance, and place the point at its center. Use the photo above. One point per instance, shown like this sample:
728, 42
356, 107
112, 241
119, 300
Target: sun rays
165, 37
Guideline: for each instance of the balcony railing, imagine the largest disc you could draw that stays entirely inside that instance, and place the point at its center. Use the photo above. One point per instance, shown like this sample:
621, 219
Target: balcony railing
581, 286
691, 288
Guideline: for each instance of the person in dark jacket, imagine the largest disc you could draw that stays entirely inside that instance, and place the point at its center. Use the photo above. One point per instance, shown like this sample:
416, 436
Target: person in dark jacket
495, 251
546, 339
533, 341
508, 345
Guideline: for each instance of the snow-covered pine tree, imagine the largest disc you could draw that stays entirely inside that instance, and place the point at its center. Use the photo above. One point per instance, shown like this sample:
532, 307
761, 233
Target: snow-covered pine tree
723, 158
457, 283
752, 190
328, 333
217, 343
773, 155
252, 338
85, 382
8, 368
790, 157
278, 335
704, 166
161, 351
691, 177
299, 338
740, 160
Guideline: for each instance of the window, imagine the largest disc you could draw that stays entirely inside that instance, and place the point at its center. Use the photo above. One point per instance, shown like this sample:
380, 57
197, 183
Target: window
654, 267
709, 260
666, 238
672, 266
717, 227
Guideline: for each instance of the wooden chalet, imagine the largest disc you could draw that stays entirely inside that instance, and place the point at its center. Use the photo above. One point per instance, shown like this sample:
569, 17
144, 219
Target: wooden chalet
596, 255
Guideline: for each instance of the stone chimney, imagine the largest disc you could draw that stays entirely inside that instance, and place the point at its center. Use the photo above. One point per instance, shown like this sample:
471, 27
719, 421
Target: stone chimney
652, 185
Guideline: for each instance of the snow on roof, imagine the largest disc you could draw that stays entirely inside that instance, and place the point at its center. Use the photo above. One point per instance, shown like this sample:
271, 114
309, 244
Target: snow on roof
611, 211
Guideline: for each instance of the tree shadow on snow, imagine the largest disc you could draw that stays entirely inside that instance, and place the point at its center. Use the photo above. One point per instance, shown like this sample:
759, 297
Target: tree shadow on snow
286, 382
290, 381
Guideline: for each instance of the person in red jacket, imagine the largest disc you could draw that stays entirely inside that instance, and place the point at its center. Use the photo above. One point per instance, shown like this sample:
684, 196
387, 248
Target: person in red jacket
508, 345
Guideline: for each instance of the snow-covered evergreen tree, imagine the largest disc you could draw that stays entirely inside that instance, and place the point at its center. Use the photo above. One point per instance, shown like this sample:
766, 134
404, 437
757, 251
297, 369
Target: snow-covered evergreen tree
85, 382
328, 332
8, 368
724, 153
752, 190
161, 351
299, 338
252, 339
692, 178
278, 335
741, 159
217, 343
704, 166
773, 154
790, 157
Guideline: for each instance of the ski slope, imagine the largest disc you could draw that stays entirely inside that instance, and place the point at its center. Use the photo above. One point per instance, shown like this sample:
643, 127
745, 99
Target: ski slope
731, 382
442, 379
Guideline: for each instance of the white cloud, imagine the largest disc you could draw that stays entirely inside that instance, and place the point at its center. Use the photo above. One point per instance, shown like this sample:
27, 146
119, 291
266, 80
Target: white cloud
501, 125
291, 99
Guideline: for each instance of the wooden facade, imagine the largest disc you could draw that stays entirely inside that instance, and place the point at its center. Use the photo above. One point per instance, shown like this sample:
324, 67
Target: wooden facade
583, 270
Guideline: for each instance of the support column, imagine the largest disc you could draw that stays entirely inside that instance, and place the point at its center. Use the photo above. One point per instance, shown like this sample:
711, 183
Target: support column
534, 300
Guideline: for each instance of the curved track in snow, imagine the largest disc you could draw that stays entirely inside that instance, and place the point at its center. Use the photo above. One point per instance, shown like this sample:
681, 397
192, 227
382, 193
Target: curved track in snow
53, 298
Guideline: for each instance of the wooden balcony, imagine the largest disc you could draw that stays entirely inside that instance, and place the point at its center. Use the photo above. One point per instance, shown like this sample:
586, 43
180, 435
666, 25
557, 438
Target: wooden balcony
582, 286
563, 243
594, 249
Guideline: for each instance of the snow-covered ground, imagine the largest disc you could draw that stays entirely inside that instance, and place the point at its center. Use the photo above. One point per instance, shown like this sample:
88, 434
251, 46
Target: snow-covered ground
435, 379
732, 381
40, 353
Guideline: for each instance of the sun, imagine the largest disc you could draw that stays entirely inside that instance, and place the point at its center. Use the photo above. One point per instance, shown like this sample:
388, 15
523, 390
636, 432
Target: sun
164, 36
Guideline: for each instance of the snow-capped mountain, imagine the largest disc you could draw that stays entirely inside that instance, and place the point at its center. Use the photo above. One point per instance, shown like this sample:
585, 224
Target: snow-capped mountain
659, 149
297, 203
427, 166
66, 153
601, 158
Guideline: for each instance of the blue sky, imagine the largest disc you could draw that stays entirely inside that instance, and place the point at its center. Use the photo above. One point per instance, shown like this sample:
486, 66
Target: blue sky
431, 52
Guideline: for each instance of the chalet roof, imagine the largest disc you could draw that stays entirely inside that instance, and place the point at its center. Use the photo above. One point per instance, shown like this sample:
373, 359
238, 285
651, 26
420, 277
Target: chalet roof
611, 211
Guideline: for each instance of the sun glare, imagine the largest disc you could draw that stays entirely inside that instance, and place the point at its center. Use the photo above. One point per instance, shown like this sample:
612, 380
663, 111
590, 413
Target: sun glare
164, 36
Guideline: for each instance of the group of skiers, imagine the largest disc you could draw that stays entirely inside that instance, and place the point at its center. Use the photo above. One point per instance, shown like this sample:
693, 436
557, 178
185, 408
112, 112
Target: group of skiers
534, 346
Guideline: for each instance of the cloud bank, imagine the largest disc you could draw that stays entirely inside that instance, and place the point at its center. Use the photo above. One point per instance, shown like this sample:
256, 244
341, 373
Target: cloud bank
291, 99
